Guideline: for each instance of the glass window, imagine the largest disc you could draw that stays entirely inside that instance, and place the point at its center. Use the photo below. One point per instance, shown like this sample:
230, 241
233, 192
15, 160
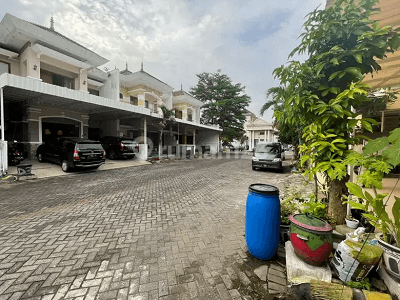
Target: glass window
269, 148
190, 118
146, 104
121, 96
89, 146
94, 92
4, 67
178, 114
155, 108
134, 100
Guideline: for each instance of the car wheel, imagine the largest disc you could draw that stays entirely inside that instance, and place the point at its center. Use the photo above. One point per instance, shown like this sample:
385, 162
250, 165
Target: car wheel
40, 157
254, 168
112, 154
64, 166
281, 169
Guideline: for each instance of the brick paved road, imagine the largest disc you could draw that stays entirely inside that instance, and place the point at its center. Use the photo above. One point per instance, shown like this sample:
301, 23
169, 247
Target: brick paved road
165, 231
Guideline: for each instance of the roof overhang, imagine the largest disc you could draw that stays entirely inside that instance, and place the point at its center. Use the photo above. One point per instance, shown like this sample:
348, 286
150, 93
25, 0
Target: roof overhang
33, 92
142, 78
8, 53
15, 33
42, 50
186, 98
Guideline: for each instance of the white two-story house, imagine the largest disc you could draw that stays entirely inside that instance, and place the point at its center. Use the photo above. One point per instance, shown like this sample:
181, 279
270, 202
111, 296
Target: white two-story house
52, 86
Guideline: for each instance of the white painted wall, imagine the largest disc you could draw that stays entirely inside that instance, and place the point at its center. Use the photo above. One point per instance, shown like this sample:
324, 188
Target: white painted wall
28, 59
110, 89
208, 138
167, 99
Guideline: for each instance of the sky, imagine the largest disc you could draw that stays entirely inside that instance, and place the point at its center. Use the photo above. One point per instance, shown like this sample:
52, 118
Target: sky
177, 39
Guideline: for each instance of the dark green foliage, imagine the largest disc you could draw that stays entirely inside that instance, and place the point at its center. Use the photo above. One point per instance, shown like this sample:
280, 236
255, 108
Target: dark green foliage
363, 284
325, 92
224, 104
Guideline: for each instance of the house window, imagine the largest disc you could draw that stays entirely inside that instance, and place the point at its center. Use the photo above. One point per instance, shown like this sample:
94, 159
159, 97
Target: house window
56, 79
189, 117
262, 133
155, 108
4, 67
121, 96
134, 100
94, 92
146, 104
178, 114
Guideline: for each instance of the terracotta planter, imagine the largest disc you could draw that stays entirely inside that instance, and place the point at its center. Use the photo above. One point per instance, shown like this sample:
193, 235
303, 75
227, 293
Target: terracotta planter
390, 259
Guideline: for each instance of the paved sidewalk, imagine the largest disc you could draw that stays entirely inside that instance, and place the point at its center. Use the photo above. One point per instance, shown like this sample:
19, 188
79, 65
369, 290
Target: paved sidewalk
47, 169
165, 231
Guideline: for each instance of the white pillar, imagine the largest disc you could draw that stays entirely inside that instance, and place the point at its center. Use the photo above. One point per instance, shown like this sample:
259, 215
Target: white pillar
269, 136
265, 136
3, 143
2, 114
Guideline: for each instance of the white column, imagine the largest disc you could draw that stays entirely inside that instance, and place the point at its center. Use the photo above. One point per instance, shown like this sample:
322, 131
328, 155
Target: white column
265, 136
3, 143
269, 136
142, 155
194, 138
251, 140
2, 114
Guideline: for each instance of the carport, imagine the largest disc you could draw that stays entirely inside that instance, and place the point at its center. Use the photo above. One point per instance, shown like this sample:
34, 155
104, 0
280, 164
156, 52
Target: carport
26, 103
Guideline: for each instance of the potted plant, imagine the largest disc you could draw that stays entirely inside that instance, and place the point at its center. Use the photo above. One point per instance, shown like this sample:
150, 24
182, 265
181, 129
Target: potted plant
376, 165
288, 207
351, 222
379, 218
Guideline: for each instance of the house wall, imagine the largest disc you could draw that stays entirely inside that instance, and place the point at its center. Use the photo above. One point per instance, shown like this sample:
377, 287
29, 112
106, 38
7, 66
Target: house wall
28, 59
14, 64
32, 119
208, 138
110, 127
110, 89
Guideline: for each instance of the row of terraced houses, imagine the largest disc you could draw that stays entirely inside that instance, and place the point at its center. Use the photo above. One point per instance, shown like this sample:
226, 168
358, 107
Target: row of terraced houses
50, 85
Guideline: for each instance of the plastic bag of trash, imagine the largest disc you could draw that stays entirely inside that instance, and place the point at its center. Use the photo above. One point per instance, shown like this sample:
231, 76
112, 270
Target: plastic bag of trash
353, 261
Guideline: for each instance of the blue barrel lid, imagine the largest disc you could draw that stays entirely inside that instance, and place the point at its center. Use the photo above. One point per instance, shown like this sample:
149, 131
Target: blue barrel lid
264, 189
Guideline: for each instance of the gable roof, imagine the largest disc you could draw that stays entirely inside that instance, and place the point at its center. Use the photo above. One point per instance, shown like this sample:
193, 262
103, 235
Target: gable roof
15, 33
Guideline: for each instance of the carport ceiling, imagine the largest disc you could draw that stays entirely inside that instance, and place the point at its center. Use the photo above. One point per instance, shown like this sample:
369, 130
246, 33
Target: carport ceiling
95, 111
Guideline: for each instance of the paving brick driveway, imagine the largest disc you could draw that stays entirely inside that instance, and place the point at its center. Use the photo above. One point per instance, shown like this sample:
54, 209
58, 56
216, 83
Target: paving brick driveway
165, 231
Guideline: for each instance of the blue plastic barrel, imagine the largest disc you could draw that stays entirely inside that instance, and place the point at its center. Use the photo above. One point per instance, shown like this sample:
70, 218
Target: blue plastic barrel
263, 212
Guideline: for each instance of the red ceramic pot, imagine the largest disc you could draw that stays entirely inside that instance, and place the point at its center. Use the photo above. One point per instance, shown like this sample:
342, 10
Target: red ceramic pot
311, 238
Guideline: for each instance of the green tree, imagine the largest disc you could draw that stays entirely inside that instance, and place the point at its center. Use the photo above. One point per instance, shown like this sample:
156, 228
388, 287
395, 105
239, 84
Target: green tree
224, 104
326, 90
287, 133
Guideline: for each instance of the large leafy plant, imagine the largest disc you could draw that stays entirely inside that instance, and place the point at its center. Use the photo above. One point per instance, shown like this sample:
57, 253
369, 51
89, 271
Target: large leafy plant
325, 92
378, 158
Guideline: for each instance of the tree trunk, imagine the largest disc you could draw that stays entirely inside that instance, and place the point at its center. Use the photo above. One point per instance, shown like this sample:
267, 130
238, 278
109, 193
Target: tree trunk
337, 211
296, 152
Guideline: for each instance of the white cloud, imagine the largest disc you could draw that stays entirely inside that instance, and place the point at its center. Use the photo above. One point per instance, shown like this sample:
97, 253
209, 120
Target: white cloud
177, 39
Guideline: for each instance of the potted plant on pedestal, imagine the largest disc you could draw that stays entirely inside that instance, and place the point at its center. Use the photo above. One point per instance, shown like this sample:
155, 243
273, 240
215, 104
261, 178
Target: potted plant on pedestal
375, 205
351, 222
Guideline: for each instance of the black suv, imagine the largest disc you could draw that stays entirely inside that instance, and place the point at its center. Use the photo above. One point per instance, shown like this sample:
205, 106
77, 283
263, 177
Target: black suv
72, 153
119, 147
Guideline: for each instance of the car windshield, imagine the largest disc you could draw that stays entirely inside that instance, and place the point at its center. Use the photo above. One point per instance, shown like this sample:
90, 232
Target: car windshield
272, 149
89, 146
